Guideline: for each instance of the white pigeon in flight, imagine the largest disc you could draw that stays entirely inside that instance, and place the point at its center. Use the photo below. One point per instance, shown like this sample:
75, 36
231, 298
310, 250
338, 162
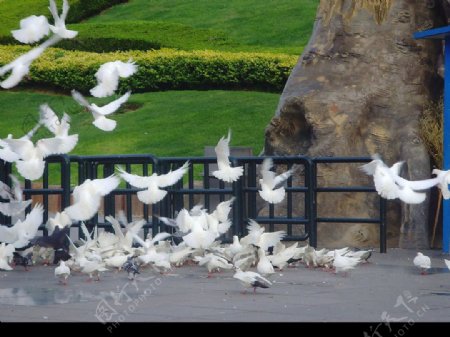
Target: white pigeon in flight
269, 182
225, 171
22, 232
257, 237
16, 204
60, 128
20, 66
422, 262
108, 77
60, 21
87, 197
6, 153
385, 178
153, 184
441, 180
31, 162
32, 29
100, 113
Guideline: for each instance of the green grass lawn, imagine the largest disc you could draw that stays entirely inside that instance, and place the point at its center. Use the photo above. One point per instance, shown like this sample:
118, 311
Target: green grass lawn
171, 123
272, 25
281, 26
12, 11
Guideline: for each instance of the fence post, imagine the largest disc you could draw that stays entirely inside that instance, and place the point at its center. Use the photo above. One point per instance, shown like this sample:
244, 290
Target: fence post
65, 181
238, 211
311, 178
383, 227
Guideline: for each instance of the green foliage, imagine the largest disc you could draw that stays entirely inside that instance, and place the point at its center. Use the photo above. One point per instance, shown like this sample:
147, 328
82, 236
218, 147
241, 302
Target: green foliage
282, 26
171, 123
244, 25
12, 11
161, 69
144, 35
82, 9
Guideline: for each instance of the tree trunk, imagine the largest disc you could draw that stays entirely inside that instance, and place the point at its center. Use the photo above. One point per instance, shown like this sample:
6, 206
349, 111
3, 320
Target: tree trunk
358, 89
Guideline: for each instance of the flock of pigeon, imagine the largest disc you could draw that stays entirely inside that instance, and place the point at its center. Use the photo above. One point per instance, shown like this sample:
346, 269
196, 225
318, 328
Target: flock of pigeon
197, 230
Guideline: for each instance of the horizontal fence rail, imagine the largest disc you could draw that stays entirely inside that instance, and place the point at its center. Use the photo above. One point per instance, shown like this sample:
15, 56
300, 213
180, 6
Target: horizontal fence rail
297, 214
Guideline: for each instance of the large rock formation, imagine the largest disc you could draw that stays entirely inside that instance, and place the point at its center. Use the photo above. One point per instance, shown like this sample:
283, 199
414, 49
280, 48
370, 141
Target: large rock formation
359, 89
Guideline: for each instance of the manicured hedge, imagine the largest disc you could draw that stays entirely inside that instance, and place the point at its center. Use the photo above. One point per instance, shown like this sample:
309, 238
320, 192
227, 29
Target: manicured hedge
161, 69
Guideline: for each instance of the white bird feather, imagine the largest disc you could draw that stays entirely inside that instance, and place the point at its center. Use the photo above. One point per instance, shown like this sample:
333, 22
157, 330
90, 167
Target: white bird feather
100, 113
32, 29
225, 172
153, 184
269, 182
59, 28
87, 197
108, 77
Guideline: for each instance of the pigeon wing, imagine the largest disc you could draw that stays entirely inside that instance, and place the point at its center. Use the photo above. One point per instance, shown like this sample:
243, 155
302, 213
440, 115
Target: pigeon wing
172, 177
114, 105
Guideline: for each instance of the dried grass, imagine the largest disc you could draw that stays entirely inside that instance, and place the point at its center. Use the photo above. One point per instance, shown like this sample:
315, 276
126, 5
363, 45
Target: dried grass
379, 8
431, 130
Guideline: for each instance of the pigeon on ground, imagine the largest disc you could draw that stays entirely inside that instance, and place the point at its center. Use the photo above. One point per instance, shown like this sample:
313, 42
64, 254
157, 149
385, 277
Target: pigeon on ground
264, 267
250, 279
153, 184
344, 263
131, 268
100, 113
92, 268
58, 241
87, 197
23, 260
422, 262
62, 272
213, 262
59, 28
225, 171
108, 77
269, 182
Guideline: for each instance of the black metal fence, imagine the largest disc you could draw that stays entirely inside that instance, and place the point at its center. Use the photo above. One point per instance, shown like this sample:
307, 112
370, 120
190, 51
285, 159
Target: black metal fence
298, 214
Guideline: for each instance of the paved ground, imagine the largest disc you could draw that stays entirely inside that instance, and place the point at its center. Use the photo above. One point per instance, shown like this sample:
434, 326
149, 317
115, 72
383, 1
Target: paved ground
388, 289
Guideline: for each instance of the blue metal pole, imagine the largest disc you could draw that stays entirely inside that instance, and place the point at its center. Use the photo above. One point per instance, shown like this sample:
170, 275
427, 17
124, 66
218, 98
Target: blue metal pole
446, 146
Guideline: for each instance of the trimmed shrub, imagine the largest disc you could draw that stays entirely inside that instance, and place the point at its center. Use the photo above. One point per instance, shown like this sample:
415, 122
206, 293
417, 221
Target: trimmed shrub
161, 69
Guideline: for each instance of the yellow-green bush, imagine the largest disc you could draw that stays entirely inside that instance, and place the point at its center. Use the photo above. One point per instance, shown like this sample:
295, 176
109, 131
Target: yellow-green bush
160, 69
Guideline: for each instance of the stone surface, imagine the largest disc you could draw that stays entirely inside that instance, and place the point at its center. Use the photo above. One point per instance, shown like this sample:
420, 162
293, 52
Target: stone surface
358, 89
390, 284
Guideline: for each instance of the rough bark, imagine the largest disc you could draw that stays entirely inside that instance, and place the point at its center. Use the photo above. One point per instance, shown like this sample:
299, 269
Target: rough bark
359, 89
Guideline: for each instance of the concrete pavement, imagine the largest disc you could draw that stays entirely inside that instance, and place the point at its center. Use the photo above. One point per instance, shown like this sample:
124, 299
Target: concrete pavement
388, 289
